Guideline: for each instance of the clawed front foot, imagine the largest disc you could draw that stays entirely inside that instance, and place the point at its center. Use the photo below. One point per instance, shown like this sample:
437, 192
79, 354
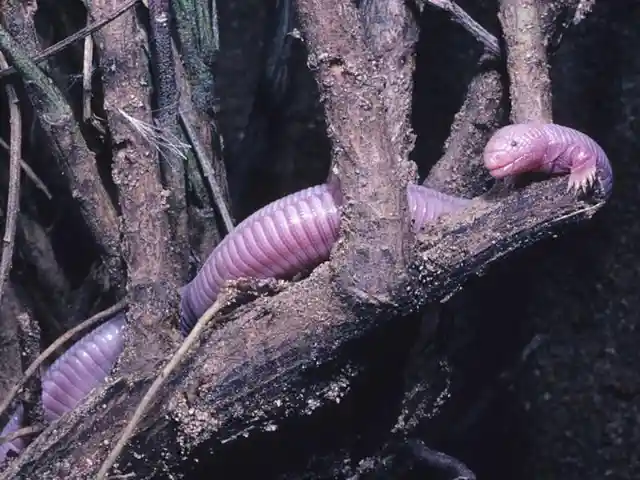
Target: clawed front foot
581, 181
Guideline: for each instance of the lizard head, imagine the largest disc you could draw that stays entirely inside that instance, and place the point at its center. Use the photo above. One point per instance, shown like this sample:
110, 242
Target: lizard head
515, 149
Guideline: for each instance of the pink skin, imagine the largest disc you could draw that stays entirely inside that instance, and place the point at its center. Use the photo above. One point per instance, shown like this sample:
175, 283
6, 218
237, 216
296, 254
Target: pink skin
548, 148
298, 232
83, 367
287, 236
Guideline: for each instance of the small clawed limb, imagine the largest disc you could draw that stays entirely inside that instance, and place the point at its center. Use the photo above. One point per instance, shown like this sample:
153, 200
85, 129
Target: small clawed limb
591, 175
582, 181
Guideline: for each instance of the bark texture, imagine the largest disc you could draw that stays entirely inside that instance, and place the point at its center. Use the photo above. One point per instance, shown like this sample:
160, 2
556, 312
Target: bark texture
397, 336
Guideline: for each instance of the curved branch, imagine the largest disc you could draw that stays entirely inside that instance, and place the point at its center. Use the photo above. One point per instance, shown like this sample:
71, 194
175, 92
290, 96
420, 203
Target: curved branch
263, 355
13, 200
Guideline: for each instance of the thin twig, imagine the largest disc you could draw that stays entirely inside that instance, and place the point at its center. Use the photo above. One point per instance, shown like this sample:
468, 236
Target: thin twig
22, 432
529, 82
87, 75
88, 30
186, 105
30, 173
461, 17
13, 197
98, 317
153, 390
207, 167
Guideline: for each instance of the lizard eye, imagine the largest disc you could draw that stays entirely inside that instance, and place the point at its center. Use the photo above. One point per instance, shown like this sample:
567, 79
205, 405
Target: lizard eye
514, 143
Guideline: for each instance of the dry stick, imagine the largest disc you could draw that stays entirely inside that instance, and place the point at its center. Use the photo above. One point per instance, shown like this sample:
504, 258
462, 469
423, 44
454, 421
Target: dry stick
88, 30
461, 17
207, 167
87, 74
13, 198
22, 432
98, 317
155, 386
188, 110
530, 85
30, 173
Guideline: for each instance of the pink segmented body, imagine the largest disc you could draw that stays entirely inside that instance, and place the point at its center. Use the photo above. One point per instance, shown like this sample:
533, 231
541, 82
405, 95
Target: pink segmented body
298, 232
287, 236
427, 204
82, 368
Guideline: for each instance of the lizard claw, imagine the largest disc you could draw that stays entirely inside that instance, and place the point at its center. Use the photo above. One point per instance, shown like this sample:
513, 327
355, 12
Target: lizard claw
581, 181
